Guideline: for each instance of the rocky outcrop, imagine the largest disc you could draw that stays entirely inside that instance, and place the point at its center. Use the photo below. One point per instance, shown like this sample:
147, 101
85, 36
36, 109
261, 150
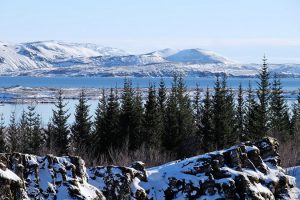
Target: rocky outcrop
47, 177
245, 171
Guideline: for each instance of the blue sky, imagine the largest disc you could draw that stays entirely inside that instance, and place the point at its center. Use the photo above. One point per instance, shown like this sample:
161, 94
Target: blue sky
242, 30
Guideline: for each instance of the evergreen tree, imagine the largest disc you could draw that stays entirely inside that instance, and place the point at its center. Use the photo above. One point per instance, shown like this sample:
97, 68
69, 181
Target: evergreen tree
60, 127
279, 111
22, 129
263, 94
152, 121
99, 125
223, 115
240, 113
218, 116
162, 101
162, 96
197, 107
113, 135
230, 124
13, 134
295, 121
180, 127
206, 126
250, 115
171, 138
3, 144
137, 118
50, 138
81, 129
126, 118
33, 131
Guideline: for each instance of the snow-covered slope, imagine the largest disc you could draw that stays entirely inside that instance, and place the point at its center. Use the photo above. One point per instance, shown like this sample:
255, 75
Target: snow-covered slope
49, 54
245, 171
199, 56
52, 58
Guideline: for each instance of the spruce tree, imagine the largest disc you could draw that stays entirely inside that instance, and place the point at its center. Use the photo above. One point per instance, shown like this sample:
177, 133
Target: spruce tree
240, 114
280, 123
263, 95
251, 125
171, 137
162, 101
295, 120
218, 116
33, 131
206, 126
60, 127
113, 135
22, 129
13, 134
137, 117
230, 124
127, 111
3, 144
99, 125
81, 129
152, 121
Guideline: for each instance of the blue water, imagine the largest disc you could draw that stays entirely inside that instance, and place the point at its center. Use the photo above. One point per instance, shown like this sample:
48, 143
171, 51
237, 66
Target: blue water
107, 82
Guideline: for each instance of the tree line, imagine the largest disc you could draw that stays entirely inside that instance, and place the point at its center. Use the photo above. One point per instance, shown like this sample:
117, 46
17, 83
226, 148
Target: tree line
168, 120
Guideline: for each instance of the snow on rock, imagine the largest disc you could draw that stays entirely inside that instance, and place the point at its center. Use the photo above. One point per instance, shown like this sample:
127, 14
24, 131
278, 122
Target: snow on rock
295, 173
47, 177
245, 171
249, 170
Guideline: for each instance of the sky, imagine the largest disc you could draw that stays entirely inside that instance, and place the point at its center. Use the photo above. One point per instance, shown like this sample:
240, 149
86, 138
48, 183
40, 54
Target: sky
242, 30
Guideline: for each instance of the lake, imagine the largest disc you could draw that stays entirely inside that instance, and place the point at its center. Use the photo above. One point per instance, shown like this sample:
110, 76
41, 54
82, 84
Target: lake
45, 110
107, 82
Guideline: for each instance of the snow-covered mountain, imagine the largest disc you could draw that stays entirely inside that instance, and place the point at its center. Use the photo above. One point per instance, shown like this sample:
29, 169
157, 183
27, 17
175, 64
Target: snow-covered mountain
48, 58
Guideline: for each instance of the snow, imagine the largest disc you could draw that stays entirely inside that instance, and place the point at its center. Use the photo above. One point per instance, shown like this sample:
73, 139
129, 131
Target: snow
7, 174
295, 172
52, 58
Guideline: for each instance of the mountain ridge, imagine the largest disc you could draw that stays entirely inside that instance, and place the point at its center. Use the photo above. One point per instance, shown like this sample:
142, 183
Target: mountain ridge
49, 58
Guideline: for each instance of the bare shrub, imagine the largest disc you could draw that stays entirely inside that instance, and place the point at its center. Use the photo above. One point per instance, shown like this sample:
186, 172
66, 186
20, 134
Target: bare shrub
290, 153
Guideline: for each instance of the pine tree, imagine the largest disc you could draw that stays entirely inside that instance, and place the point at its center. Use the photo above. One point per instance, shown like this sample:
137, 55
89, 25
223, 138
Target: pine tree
152, 121
60, 125
3, 144
81, 129
263, 94
206, 126
13, 134
240, 113
280, 123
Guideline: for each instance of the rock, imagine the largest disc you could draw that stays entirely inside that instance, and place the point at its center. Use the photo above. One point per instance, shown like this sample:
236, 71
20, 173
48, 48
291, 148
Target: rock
240, 172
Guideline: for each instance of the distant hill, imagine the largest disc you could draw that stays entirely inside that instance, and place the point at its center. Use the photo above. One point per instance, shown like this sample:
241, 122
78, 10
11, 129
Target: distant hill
48, 58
